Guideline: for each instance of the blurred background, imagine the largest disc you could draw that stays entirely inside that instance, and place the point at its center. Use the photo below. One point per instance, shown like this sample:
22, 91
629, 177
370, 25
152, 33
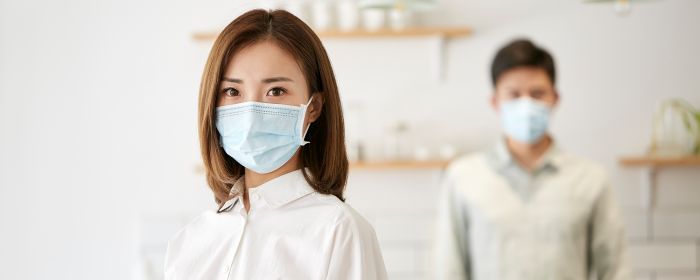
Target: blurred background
99, 159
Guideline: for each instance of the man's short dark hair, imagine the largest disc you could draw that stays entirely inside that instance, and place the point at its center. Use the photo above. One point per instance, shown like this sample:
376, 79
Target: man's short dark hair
522, 53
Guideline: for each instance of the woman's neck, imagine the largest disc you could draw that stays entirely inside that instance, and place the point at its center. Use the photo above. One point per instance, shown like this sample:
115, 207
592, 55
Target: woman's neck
253, 179
529, 155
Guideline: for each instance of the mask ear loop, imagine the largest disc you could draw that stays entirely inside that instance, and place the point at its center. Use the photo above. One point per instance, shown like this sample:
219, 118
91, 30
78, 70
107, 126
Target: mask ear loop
304, 107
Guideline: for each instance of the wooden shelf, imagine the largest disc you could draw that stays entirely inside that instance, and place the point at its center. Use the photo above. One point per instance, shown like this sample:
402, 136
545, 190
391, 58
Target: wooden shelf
397, 165
439, 35
651, 165
446, 32
656, 161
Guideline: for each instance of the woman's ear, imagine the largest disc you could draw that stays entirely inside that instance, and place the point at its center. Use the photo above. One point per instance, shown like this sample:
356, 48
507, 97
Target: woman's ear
314, 109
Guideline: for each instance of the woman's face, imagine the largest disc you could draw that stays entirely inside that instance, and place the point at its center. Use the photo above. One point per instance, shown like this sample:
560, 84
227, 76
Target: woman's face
263, 72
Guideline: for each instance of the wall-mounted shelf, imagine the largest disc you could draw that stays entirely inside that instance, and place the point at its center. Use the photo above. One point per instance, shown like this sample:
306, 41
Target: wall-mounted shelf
397, 165
438, 34
656, 161
651, 165
443, 32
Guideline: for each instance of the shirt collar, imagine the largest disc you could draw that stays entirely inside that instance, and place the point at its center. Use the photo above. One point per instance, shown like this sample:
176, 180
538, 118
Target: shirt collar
275, 193
502, 157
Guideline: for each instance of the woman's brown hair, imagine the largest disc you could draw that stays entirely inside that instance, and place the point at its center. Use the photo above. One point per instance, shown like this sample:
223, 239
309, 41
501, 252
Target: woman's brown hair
324, 160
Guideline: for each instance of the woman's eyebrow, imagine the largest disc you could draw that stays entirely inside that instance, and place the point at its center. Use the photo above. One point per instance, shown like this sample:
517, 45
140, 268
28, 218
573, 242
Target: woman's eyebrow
238, 81
276, 79
266, 81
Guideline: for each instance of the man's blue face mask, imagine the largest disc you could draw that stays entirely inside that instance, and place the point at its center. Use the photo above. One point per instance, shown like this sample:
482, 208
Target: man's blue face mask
261, 136
525, 119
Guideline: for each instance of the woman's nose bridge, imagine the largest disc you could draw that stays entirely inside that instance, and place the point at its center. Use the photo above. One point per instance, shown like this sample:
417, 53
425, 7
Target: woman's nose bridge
254, 92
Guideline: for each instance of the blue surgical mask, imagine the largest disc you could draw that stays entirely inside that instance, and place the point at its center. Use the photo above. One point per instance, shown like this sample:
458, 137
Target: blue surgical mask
261, 136
524, 119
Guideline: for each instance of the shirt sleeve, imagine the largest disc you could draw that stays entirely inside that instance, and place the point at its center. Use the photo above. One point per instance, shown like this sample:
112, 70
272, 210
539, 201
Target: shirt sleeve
451, 251
607, 239
355, 251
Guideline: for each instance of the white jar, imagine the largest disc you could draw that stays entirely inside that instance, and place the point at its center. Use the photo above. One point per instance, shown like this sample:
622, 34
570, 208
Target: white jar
374, 19
321, 11
348, 15
400, 18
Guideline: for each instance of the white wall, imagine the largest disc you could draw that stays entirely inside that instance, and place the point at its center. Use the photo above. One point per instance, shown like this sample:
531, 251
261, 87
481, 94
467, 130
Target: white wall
98, 143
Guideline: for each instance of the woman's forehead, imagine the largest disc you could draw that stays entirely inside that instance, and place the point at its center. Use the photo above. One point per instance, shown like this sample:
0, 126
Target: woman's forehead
263, 60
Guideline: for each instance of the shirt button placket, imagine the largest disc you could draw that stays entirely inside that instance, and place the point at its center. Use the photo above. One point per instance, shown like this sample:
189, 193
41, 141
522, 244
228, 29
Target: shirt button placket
241, 214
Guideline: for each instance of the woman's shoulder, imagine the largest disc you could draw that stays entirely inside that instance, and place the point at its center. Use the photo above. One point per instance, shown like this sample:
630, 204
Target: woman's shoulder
193, 224
342, 214
208, 225
181, 242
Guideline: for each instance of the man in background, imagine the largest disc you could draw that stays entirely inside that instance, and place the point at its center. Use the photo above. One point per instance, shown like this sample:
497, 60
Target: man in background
527, 210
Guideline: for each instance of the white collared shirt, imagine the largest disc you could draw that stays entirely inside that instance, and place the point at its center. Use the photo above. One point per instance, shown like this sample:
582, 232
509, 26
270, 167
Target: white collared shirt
290, 232
500, 222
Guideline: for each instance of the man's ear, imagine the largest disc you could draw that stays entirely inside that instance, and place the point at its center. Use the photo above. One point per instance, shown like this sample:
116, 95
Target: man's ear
494, 101
314, 109
556, 98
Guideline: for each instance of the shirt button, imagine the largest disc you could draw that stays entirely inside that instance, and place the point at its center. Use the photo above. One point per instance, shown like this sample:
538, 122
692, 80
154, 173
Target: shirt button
256, 196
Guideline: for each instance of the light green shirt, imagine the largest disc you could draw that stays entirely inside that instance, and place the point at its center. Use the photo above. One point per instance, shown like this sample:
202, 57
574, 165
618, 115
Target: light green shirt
499, 221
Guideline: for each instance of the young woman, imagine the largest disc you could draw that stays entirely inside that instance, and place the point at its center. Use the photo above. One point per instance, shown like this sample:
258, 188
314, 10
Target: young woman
272, 141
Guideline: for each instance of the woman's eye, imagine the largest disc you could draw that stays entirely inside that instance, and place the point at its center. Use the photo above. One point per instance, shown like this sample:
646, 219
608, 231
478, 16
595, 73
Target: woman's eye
276, 92
231, 92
